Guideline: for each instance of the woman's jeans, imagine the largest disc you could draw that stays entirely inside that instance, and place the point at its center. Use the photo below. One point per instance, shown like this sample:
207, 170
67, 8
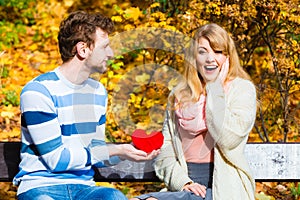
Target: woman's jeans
72, 192
201, 173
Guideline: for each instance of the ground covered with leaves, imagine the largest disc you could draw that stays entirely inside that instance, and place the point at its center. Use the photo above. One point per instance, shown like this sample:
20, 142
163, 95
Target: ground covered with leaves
264, 190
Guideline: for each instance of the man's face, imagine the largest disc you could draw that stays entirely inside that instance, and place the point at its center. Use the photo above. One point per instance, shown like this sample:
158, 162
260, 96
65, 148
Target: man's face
100, 53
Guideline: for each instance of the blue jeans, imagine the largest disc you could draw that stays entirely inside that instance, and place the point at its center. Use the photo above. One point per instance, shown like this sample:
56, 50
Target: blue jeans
72, 192
200, 173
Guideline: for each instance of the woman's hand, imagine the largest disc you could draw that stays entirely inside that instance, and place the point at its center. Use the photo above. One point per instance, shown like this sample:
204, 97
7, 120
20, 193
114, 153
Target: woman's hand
196, 188
224, 71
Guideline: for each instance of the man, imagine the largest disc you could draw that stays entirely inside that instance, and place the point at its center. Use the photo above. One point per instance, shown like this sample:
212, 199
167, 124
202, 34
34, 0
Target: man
63, 119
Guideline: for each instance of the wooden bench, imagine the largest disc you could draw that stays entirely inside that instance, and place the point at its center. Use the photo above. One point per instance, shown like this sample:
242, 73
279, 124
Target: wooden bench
269, 162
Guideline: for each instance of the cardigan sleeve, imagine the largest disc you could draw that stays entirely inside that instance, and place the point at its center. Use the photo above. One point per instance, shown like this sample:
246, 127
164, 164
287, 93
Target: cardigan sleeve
169, 165
230, 116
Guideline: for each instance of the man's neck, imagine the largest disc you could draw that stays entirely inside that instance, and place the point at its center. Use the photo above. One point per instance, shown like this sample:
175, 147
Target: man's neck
75, 72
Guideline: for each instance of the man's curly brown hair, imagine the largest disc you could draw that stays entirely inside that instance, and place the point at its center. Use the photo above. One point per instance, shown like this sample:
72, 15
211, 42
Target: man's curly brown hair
80, 26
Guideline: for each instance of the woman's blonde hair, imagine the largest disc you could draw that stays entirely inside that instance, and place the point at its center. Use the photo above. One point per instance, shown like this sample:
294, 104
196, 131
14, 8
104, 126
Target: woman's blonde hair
192, 85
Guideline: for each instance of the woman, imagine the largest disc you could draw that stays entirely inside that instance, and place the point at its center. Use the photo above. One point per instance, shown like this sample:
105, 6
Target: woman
208, 120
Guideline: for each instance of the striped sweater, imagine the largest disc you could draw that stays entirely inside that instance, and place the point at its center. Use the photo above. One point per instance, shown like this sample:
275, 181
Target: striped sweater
63, 132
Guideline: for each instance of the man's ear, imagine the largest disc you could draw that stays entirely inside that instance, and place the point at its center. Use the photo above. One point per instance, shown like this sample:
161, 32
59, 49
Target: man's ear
82, 49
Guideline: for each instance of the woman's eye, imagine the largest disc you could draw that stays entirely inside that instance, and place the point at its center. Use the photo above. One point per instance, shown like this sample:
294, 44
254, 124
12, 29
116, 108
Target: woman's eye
218, 52
201, 52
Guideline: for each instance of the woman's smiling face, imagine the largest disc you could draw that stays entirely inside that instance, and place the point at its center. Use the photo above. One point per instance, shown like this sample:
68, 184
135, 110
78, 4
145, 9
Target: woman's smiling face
209, 61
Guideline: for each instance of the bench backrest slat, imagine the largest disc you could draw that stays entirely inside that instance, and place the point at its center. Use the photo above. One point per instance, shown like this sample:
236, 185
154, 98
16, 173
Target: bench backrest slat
268, 162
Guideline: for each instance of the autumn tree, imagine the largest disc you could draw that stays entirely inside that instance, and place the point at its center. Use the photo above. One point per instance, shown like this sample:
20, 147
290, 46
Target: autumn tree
267, 36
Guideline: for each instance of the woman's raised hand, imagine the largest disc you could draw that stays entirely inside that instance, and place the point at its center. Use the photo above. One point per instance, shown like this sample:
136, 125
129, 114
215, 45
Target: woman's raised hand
224, 71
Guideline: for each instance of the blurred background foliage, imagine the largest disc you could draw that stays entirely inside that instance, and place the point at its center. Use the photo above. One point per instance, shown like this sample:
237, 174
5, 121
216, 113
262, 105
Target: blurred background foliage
148, 62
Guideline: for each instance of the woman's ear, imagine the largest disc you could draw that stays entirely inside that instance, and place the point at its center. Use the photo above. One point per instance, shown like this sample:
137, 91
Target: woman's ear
82, 49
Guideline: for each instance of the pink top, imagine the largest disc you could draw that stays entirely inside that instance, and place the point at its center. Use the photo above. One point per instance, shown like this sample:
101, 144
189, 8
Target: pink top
197, 143
197, 148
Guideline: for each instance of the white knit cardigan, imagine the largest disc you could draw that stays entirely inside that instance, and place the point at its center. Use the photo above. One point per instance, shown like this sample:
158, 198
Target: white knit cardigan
230, 117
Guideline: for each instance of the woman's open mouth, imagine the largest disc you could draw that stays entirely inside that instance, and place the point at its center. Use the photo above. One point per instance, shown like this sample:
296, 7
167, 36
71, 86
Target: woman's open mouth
210, 67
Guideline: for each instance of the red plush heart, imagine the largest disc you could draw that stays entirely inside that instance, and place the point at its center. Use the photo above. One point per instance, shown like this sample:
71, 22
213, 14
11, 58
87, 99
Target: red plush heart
147, 142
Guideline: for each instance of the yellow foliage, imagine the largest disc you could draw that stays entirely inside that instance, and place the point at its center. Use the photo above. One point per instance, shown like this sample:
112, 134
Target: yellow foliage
68, 3
7, 114
37, 52
154, 5
46, 67
132, 13
105, 184
33, 47
110, 74
128, 27
172, 83
142, 78
116, 18
159, 15
263, 196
